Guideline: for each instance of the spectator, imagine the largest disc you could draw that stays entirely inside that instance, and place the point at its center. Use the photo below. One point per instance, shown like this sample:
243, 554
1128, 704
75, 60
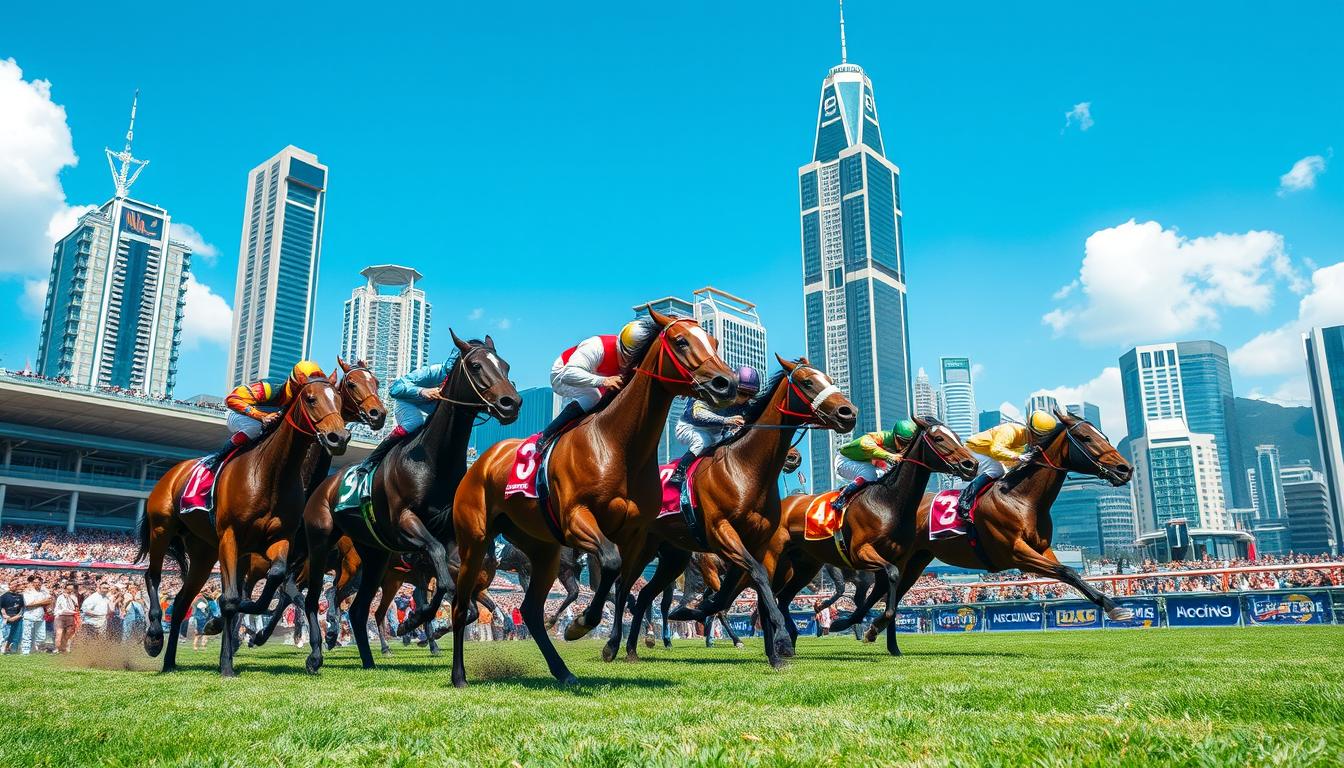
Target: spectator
134, 614
67, 613
36, 600
202, 609
95, 610
11, 614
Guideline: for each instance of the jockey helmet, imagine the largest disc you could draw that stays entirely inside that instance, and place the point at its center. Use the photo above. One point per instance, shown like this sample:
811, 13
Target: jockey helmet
748, 381
1041, 423
904, 430
303, 371
633, 334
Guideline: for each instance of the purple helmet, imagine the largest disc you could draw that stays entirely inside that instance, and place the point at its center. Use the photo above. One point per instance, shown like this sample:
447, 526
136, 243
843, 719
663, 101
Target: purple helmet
748, 380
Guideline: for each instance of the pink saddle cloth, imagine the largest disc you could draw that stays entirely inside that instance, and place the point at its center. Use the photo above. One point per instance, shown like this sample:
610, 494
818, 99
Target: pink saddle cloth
671, 493
526, 462
944, 523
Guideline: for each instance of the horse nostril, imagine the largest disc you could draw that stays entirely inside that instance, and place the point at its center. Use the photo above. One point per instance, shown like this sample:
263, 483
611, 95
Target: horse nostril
507, 403
845, 412
720, 384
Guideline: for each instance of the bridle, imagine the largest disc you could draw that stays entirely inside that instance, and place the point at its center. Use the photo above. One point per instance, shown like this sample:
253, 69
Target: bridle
359, 407
665, 353
297, 404
906, 458
811, 417
1096, 469
482, 396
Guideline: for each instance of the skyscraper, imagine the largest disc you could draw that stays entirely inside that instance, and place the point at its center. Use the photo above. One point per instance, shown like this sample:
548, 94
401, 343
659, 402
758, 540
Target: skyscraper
1089, 412
989, 420
1115, 514
1040, 402
277, 266
958, 396
115, 298
1271, 518
730, 319
387, 323
1176, 477
854, 290
1325, 372
1307, 503
926, 397
1076, 513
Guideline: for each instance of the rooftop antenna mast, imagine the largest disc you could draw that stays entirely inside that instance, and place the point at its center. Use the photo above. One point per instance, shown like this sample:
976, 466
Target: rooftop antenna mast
125, 175
844, 57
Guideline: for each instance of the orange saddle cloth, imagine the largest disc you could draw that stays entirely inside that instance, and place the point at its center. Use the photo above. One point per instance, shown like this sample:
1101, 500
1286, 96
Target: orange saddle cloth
822, 520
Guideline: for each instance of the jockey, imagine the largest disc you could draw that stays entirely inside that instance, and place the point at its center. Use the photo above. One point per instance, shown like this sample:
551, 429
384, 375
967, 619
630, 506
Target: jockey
700, 426
582, 373
415, 396
254, 408
857, 460
1006, 444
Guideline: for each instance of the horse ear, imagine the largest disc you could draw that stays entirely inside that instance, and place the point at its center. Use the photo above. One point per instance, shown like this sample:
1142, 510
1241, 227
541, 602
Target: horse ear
345, 367
658, 317
489, 342
804, 361
1062, 417
789, 365
462, 346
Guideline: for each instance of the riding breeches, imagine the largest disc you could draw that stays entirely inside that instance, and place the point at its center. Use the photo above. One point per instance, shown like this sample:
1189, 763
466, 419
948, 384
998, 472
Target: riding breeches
586, 397
409, 415
851, 469
695, 439
990, 466
237, 422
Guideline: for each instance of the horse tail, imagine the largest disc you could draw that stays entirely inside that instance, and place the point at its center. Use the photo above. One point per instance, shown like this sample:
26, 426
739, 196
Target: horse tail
143, 523
177, 549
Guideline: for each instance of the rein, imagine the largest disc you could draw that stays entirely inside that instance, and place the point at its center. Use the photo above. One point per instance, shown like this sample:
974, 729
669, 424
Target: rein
489, 408
311, 430
1100, 470
663, 351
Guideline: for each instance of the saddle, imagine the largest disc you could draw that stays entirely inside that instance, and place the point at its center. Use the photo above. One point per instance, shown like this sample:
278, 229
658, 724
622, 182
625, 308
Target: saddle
679, 498
945, 523
198, 494
528, 478
825, 519
354, 509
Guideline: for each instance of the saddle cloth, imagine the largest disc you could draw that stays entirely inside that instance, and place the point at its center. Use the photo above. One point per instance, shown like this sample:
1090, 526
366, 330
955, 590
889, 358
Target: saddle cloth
354, 508
526, 462
944, 523
198, 495
821, 520
674, 496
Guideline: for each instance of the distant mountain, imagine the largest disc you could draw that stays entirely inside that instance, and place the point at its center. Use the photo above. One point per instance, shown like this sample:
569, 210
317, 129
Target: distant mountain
1290, 428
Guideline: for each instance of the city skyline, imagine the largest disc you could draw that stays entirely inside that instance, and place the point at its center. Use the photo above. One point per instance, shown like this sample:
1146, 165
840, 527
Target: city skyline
184, 180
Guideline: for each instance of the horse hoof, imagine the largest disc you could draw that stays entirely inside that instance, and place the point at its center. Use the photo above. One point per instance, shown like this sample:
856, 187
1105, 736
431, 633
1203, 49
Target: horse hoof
739, 644
667, 644
213, 627
784, 650
870, 636
1120, 614
569, 679
459, 682
313, 664
441, 631
632, 657
435, 652
367, 664
779, 663
153, 645
608, 653
387, 651
231, 673
648, 642
577, 631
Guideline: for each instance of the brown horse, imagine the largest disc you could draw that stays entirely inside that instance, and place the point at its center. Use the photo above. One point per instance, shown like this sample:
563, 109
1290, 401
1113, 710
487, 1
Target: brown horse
259, 496
603, 484
412, 493
1012, 522
415, 570
873, 533
736, 489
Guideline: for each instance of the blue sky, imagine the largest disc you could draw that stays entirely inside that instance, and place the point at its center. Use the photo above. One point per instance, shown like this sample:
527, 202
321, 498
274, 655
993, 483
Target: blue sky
547, 166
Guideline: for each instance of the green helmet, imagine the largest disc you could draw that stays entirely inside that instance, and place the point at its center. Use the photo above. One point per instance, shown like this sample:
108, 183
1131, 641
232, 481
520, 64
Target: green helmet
904, 430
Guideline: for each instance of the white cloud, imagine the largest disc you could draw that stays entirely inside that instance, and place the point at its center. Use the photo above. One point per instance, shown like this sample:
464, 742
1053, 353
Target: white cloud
34, 299
1011, 411
1302, 175
504, 324
207, 316
476, 314
1081, 114
35, 145
1294, 391
976, 370
1140, 282
199, 247
1280, 352
1105, 392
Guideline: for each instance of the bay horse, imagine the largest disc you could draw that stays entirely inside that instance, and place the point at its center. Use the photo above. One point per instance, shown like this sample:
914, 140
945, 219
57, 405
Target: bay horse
603, 485
419, 573
1012, 521
412, 491
736, 488
259, 494
571, 566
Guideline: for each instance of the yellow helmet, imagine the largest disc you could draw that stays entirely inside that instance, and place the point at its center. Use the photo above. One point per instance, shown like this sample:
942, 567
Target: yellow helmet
303, 371
1041, 422
633, 334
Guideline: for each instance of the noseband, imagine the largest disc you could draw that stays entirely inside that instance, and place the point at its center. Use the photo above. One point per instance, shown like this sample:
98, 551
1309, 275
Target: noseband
795, 394
665, 353
1097, 468
297, 405
481, 395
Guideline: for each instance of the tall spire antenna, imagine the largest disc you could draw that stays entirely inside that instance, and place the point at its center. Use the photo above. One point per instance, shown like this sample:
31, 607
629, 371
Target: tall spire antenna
130, 167
844, 56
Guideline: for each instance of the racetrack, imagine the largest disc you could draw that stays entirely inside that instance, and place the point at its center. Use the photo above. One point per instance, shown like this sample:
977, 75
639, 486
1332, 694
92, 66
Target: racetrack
1255, 696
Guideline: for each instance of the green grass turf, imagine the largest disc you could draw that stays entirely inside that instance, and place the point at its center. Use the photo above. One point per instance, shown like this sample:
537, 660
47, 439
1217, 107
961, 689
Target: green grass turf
1261, 696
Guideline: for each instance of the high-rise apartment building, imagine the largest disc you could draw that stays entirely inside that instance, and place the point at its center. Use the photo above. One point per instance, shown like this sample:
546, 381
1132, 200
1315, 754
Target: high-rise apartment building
277, 266
1177, 477
989, 420
1089, 412
1325, 373
1271, 519
116, 294
386, 323
1115, 515
957, 394
1040, 402
854, 289
926, 397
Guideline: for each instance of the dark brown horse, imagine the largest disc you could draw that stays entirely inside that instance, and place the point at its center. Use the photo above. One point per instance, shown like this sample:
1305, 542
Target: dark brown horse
874, 531
417, 571
603, 483
700, 579
736, 489
259, 496
571, 566
412, 493
1012, 521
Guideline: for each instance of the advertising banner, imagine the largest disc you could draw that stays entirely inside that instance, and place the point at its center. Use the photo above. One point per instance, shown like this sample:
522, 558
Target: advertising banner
907, 622
741, 624
1305, 607
963, 619
1203, 611
1008, 618
805, 622
1145, 613
1074, 614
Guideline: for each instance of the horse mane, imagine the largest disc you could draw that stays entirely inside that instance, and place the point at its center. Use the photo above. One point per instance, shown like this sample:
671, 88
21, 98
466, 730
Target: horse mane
637, 356
755, 409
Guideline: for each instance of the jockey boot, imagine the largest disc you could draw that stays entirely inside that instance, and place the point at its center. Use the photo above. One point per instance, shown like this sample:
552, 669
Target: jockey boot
573, 410
236, 440
678, 475
847, 493
377, 454
968, 496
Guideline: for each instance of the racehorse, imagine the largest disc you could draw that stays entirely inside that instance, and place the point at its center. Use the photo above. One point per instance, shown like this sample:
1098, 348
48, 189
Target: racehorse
604, 490
1012, 520
701, 577
415, 570
571, 565
872, 535
412, 493
735, 485
259, 494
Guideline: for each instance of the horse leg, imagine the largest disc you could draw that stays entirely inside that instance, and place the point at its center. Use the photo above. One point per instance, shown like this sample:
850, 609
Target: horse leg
864, 600
665, 605
910, 574
670, 565
201, 558
158, 549
422, 598
385, 598
230, 597
375, 560
1028, 559
333, 630
318, 532
546, 566
779, 644
784, 598
275, 578
289, 595
728, 630
570, 581
588, 537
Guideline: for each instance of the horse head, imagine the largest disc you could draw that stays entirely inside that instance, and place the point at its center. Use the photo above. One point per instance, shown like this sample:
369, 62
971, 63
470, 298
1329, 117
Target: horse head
811, 395
938, 446
319, 414
688, 360
359, 395
1085, 450
480, 379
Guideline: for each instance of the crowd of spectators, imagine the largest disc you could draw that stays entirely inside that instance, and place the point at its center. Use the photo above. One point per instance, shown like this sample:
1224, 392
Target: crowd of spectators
120, 392
45, 542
